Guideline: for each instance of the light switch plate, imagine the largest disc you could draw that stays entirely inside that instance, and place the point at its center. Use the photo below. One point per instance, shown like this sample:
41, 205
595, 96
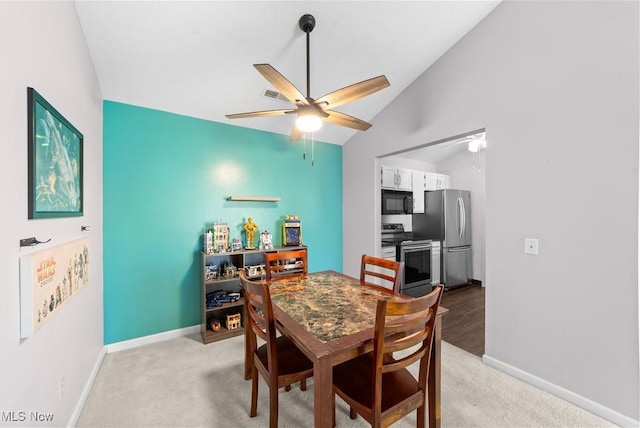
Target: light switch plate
531, 246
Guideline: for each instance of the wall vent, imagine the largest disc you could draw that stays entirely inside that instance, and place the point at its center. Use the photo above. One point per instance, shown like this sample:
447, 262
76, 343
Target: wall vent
274, 95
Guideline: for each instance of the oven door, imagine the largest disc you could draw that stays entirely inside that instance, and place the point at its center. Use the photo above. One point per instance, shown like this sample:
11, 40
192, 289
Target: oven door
417, 269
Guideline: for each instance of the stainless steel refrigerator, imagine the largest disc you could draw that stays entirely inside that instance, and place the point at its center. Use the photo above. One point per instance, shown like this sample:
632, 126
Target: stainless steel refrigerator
447, 218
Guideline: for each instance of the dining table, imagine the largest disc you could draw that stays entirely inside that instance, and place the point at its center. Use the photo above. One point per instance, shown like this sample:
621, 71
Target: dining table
330, 317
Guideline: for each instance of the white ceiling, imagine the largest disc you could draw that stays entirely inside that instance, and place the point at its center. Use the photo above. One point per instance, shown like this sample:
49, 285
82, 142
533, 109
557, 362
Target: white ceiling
195, 57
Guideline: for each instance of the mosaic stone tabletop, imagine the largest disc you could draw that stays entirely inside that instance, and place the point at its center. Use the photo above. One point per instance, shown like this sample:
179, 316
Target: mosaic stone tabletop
327, 304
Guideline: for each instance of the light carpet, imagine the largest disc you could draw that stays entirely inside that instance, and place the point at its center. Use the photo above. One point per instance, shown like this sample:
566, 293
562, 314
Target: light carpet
182, 383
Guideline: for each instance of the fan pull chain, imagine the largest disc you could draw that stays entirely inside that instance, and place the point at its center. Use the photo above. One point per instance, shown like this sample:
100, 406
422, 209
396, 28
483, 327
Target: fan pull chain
304, 147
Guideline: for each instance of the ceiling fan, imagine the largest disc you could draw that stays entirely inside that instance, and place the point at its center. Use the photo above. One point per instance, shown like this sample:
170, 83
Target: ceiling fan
311, 112
474, 142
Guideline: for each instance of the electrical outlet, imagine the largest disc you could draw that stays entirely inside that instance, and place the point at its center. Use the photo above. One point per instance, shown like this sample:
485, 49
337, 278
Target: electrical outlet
61, 386
531, 246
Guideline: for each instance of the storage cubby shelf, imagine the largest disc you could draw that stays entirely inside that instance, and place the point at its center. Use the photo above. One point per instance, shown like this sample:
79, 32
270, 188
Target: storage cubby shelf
240, 260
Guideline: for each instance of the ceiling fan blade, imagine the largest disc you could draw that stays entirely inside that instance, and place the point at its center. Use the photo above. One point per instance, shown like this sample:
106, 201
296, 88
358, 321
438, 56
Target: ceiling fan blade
281, 84
353, 92
263, 113
343, 119
296, 134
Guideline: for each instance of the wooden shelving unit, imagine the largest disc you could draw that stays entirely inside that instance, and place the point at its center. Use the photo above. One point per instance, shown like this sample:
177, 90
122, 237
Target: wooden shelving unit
240, 259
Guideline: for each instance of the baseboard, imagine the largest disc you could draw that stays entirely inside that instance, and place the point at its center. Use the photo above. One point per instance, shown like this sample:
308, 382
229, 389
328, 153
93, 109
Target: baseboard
121, 346
573, 398
153, 338
87, 388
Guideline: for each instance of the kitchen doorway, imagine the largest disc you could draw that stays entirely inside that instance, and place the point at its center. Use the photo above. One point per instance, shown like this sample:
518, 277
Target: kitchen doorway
460, 161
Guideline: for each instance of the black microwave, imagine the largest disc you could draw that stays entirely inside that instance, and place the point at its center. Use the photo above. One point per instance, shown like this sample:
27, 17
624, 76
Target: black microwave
397, 202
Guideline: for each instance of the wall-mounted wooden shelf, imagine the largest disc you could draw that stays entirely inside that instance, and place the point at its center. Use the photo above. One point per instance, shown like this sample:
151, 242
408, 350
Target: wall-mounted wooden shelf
254, 198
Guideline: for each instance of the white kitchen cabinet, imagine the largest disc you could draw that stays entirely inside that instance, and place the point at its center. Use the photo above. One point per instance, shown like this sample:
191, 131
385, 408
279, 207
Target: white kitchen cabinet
395, 178
404, 180
419, 182
444, 181
388, 177
435, 181
432, 181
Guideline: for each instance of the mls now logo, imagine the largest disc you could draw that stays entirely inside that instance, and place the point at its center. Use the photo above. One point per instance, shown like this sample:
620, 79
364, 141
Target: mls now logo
13, 416
22, 416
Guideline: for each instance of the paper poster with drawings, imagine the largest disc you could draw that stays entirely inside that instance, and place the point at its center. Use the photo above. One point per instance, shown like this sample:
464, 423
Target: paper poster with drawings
48, 279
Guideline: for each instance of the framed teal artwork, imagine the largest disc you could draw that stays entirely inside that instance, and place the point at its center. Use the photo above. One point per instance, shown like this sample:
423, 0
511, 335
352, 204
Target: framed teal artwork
55, 161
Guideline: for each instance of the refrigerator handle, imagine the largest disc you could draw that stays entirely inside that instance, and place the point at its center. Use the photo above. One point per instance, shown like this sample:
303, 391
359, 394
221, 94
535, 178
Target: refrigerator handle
464, 217
459, 217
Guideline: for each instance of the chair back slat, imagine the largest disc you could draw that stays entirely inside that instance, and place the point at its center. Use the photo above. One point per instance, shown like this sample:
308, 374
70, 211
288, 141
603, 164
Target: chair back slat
400, 343
405, 361
258, 321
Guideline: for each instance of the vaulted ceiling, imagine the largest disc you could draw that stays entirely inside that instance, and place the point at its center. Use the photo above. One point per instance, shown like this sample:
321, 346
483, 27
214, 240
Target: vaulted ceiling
195, 57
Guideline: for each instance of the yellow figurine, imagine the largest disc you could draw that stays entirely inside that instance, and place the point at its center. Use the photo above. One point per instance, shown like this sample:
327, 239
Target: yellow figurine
250, 228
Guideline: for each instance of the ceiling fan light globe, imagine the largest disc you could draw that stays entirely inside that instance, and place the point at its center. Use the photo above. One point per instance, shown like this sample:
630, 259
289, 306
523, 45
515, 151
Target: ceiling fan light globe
308, 122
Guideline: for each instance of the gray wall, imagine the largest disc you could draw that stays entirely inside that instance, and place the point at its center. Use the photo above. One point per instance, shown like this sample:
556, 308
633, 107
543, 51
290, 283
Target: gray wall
555, 84
43, 47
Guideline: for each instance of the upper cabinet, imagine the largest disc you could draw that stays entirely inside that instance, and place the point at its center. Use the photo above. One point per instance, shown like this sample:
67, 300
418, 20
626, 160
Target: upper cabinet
396, 178
419, 179
413, 181
435, 181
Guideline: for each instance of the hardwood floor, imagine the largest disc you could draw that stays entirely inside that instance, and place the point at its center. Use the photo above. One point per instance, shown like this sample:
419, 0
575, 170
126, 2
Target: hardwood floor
463, 325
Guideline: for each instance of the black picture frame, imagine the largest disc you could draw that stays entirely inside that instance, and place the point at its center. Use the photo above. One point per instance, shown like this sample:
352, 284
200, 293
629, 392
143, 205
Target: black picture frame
55, 161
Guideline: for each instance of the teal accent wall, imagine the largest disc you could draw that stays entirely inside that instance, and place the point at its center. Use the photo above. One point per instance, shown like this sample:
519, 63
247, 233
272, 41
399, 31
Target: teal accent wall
166, 179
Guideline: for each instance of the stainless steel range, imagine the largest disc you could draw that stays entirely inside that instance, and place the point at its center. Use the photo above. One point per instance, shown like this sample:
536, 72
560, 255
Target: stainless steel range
415, 252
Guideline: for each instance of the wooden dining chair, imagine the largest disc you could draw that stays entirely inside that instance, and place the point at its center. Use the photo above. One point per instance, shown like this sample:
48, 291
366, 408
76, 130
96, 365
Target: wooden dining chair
285, 263
378, 386
278, 361
389, 271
